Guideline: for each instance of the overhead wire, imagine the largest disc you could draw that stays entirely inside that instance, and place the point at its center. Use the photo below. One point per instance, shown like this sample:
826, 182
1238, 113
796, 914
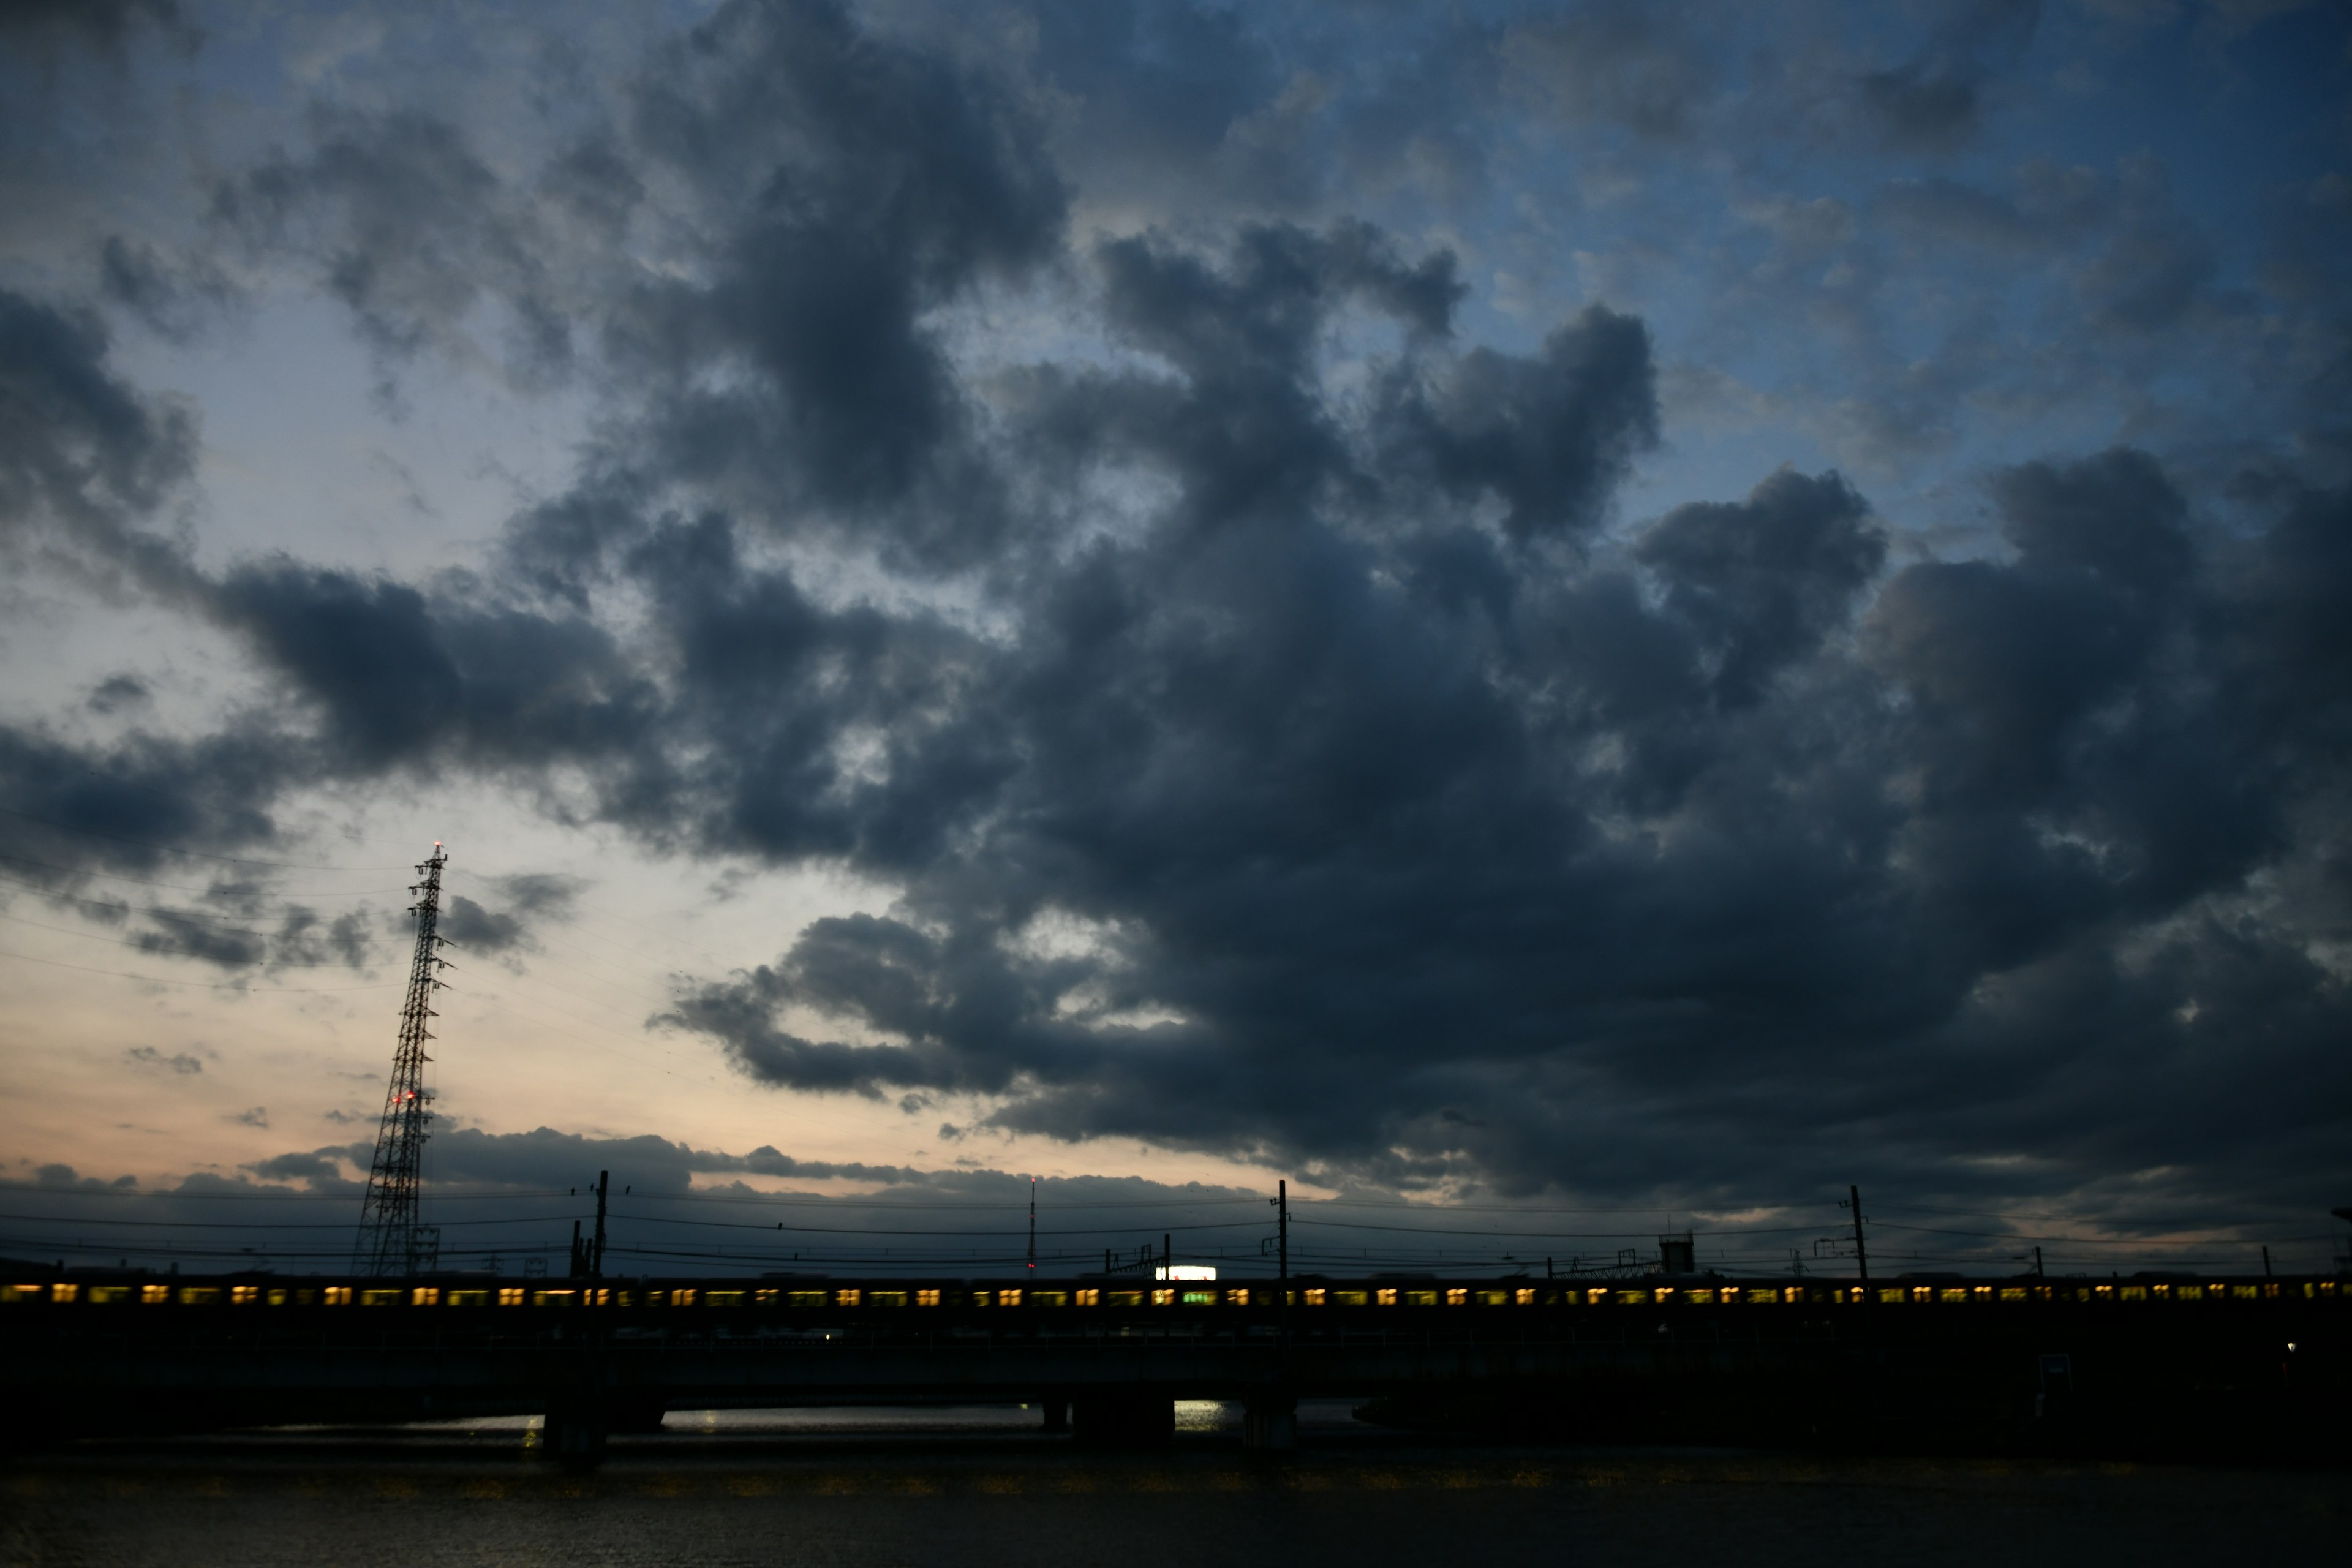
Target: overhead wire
182, 887
198, 985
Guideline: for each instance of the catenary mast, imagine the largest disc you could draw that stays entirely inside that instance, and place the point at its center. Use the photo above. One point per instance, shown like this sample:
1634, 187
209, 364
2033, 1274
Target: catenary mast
390, 1241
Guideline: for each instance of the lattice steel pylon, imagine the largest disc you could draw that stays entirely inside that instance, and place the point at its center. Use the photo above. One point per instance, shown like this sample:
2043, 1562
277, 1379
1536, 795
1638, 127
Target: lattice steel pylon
390, 1241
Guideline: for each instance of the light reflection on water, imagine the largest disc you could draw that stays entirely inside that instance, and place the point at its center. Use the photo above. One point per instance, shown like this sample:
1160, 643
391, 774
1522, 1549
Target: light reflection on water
1193, 1416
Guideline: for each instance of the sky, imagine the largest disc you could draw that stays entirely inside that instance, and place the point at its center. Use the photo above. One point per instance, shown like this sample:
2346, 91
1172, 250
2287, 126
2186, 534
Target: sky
1580, 616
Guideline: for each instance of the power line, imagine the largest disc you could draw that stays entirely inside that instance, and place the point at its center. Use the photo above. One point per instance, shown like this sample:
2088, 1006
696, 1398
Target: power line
166, 952
887, 1230
177, 1196
854, 1200
195, 985
176, 887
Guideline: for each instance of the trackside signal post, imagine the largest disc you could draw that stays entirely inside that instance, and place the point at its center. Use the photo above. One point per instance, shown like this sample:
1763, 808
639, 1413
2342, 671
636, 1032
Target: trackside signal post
391, 1241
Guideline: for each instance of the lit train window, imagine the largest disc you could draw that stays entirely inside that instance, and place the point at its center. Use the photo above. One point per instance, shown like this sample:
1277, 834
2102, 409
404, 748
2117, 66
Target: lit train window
2012, 1292
1239, 1297
1493, 1298
1457, 1297
2247, 1292
1633, 1298
1124, 1298
64, 1292
1351, 1298
469, 1298
1168, 1297
1701, 1296
735, 1298
426, 1296
550, 1298
153, 1295
1951, 1294
1057, 1298
804, 1298
2133, 1292
198, 1296
928, 1298
1205, 1298
103, 1295
1090, 1297
845, 1297
686, 1299
1763, 1297
510, 1295
1421, 1297
1525, 1298
1386, 1298
1008, 1297
245, 1295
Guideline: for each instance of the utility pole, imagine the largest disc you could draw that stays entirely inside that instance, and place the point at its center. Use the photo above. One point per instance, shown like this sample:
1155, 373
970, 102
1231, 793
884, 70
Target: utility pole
2038, 1274
391, 1241
1033, 1225
1860, 1254
597, 1250
1282, 1229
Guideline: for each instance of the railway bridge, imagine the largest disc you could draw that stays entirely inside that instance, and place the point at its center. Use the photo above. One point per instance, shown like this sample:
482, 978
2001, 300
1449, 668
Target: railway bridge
2238, 1363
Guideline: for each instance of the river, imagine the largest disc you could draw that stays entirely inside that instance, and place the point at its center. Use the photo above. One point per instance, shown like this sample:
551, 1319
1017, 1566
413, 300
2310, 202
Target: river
982, 1486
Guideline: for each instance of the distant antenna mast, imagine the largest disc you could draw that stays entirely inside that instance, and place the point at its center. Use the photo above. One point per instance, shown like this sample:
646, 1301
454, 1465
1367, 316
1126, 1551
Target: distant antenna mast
390, 1241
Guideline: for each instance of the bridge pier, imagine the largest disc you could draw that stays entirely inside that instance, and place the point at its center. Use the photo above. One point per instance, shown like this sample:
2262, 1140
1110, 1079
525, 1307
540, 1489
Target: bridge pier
1270, 1424
574, 1434
1124, 1420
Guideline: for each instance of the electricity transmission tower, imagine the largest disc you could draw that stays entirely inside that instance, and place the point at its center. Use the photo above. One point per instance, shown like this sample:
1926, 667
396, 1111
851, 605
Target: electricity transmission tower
390, 1241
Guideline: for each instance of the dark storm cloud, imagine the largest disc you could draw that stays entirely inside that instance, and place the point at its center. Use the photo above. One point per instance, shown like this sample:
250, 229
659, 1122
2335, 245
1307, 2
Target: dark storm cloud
81, 451
1933, 101
530, 899
1620, 65
106, 25
1274, 738
120, 805
306, 939
848, 187
398, 676
1922, 850
1764, 581
407, 228
1549, 437
319, 1173
174, 299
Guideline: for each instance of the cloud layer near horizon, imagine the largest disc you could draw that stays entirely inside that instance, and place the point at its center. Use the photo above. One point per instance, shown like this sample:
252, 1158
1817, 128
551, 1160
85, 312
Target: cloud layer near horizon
1230, 644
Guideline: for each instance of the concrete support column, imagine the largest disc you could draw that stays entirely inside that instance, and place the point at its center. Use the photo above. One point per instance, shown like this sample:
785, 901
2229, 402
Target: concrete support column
1058, 1414
574, 1434
1124, 1420
1270, 1425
